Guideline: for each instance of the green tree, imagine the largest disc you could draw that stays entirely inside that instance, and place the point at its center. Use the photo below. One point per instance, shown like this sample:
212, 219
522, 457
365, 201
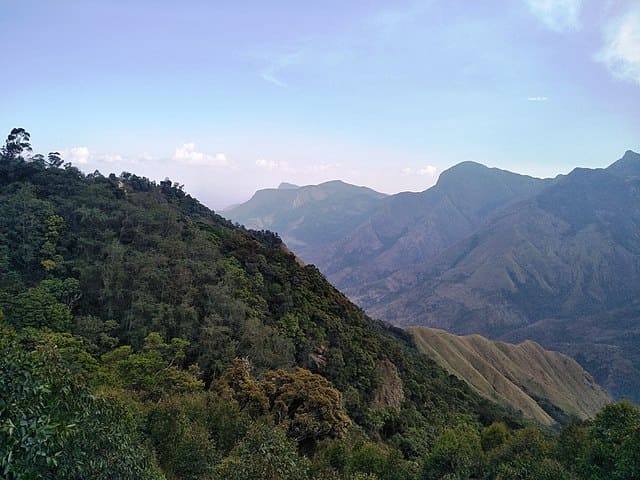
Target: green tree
49, 250
380, 461
54, 160
527, 455
494, 436
181, 438
457, 453
307, 404
238, 385
38, 307
612, 435
52, 427
628, 457
572, 447
265, 453
155, 371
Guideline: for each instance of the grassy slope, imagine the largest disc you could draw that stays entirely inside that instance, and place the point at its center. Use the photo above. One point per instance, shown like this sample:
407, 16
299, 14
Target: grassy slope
515, 374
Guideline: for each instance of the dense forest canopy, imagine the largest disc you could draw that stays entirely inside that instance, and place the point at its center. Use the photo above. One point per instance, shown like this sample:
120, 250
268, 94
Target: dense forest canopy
144, 336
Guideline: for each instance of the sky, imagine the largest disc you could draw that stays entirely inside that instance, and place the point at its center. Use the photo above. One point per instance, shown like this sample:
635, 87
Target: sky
227, 97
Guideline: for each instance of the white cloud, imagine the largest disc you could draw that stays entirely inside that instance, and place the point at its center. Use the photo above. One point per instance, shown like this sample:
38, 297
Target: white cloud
141, 158
538, 99
83, 156
268, 164
77, 155
621, 52
268, 76
429, 171
558, 15
278, 63
407, 171
188, 155
145, 157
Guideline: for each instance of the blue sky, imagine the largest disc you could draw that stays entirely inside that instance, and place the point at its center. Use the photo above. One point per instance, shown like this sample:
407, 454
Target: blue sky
229, 97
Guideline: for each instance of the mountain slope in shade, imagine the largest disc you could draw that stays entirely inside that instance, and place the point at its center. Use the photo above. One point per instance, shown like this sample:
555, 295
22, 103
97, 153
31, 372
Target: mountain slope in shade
409, 228
525, 377
562, 268
308, 216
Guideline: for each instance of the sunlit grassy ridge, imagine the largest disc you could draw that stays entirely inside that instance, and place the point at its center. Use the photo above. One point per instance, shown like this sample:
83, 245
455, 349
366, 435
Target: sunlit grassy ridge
525, 376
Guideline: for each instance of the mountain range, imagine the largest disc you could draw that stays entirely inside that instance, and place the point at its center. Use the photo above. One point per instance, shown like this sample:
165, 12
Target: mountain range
504, 255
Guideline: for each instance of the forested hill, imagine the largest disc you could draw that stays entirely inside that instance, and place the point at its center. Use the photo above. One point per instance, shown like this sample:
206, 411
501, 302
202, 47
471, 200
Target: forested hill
115, 258
129, 267
146, 337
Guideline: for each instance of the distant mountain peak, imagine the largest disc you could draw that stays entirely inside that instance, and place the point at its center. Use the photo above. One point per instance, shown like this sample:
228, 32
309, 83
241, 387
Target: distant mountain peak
470, 172
461, 170
288, 186
335, 182
308, 214
627, 166
468, 164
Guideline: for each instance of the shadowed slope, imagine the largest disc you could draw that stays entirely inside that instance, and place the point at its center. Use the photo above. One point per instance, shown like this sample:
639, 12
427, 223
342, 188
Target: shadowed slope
562, 268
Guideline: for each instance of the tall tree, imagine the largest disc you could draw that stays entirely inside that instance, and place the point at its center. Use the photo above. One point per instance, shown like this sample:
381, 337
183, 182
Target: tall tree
54, 159
18, 141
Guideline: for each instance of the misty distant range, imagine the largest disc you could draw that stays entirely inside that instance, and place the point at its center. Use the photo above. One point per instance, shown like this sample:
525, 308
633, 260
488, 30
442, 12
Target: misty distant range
484, 251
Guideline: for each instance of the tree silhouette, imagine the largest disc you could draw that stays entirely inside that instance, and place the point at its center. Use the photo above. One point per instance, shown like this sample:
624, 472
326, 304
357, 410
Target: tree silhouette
17, 142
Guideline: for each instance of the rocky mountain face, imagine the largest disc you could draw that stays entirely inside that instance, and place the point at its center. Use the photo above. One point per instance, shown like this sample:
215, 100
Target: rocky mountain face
356, 236
412, 228
561, 268
543, 385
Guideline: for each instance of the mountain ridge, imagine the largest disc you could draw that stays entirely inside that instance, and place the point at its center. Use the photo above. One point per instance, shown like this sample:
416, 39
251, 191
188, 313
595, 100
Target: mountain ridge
306, 215
413, 227
524, 376
568, 256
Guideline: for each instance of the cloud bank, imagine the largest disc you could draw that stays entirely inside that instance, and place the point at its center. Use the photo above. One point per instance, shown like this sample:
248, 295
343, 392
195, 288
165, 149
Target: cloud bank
187, 154
77, 155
